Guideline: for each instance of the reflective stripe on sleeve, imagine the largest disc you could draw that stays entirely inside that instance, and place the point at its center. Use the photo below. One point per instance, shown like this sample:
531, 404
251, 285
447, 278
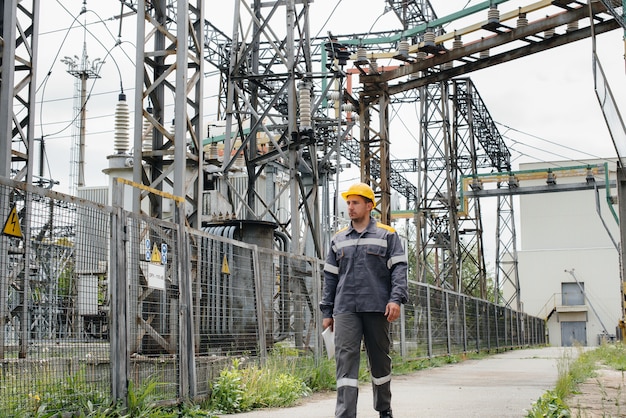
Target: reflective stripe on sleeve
346, 381
395, 260
329, 268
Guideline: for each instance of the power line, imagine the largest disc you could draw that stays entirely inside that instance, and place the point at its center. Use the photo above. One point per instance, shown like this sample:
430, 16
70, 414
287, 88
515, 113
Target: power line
547, 140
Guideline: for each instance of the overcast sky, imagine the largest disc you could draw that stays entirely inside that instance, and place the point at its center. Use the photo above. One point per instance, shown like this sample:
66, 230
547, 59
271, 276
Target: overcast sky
544, 104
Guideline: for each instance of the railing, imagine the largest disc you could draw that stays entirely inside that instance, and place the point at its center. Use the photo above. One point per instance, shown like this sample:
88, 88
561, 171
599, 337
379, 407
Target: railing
550, 306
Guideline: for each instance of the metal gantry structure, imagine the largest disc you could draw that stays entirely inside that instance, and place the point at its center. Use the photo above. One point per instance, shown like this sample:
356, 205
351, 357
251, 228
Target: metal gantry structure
452, 137
289, 108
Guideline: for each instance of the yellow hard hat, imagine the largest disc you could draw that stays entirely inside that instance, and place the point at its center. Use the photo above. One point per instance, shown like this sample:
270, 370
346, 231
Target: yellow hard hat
360, 189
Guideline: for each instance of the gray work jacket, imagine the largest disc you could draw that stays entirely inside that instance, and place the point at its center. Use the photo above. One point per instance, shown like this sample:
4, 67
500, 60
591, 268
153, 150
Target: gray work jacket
364, 271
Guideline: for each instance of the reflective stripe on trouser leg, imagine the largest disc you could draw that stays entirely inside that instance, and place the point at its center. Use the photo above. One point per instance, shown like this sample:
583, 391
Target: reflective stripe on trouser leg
378, 344
348, 335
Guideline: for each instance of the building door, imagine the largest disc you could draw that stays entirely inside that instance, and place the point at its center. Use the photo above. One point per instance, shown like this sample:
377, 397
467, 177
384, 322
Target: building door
575, 331
572, 293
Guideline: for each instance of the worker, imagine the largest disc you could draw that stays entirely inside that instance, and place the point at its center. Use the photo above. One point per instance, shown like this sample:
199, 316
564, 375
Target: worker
365, 283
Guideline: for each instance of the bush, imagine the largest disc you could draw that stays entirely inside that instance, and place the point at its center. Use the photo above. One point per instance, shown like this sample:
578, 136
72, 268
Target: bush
240, 389
549, 405
227, 394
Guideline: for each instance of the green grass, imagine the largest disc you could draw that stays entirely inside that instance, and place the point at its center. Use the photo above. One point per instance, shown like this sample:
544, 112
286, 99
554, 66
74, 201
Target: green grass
46, 397
571, 373
286, 377
280, 381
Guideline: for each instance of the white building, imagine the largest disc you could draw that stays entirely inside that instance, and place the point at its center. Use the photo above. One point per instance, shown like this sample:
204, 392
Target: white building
568, 262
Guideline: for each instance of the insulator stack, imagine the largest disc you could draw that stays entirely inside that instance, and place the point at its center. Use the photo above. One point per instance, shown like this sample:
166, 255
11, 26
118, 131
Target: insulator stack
373, 66
361, 55
429, 38
457, 43
403, 48
572, 26
305, 106
147, 133
493, 15
121, 141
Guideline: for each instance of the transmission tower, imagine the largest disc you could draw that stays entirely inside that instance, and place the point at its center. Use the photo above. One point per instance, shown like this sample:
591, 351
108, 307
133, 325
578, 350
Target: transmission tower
19, 29
169, 81
82, 69
269, 98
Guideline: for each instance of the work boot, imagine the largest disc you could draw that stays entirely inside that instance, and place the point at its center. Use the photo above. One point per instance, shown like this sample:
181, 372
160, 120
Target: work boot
386, 414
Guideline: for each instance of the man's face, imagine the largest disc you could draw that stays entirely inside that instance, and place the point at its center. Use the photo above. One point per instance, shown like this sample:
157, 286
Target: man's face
358, 207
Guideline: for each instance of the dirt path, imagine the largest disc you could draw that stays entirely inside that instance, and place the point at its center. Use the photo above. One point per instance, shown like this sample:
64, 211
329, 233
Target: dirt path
601, 396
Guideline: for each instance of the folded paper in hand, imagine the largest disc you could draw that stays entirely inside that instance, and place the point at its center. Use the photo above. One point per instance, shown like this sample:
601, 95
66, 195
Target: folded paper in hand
329, 341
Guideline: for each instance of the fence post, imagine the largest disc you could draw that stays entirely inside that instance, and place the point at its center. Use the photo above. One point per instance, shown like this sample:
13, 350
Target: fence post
258, 292
4, 270
463, 299
446, 296
497, 323
487, 310
185, 312
507, 328
317, 277
25, 320
119, 302
429, 322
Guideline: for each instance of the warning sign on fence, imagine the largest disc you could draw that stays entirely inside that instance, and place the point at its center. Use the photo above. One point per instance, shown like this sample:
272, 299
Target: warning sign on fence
12, 225
156, 255
225, 268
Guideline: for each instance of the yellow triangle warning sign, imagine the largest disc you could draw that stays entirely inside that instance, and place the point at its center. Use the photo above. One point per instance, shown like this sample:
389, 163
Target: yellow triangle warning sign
12, 225
156, 255
225, 268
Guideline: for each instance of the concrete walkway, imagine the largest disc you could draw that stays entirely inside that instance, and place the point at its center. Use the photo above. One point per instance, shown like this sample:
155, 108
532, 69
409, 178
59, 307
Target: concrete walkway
502, 385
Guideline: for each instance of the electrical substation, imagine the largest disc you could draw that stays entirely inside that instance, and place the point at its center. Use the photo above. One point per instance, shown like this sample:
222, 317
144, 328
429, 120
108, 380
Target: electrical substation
210, 236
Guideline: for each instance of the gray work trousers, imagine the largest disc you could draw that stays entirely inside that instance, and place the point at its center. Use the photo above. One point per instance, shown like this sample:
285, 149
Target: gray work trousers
350, 329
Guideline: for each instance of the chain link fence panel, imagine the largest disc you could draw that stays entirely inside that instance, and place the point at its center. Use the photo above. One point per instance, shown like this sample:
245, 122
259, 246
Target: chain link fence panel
95, 299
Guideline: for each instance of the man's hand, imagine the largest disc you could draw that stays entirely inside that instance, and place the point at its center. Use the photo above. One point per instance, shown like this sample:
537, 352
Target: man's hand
392, 311
328, 322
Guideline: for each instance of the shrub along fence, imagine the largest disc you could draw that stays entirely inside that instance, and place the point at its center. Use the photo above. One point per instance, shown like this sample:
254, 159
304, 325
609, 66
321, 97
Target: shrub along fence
94, 299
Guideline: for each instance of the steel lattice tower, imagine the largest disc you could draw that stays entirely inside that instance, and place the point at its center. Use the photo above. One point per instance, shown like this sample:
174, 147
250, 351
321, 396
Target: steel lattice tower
19, 25
269, 96
19, 29
170, 46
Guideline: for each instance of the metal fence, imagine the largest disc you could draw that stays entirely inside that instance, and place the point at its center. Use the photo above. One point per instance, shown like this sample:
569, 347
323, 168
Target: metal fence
93, 298
54, 300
